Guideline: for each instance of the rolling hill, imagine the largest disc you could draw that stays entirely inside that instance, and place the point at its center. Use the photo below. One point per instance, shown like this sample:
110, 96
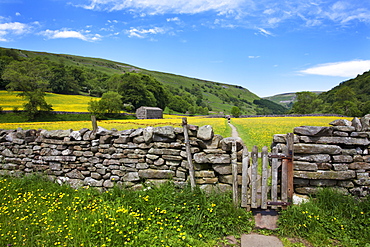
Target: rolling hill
286, 99
218, 97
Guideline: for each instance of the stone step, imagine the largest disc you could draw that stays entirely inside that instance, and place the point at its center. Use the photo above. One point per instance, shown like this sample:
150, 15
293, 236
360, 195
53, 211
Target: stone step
265, 218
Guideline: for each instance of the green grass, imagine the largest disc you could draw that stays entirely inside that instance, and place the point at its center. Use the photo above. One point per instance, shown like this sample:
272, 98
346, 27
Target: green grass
330, 219
37, 212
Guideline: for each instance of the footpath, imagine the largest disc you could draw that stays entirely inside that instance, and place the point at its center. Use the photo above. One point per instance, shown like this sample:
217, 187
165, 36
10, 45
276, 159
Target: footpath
262, 221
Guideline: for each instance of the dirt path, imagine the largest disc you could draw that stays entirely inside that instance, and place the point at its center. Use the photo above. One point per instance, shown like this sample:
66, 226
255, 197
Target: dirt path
234, 132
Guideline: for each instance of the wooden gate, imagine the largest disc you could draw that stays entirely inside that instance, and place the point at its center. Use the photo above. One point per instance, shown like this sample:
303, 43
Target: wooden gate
267, 178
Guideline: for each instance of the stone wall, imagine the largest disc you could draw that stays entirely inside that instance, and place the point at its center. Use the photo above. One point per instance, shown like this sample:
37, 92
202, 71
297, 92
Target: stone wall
127, 158
336, 156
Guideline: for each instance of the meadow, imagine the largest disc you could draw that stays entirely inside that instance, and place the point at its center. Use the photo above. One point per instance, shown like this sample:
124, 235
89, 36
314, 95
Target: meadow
259, 131
60, 102
37, 212
254, 131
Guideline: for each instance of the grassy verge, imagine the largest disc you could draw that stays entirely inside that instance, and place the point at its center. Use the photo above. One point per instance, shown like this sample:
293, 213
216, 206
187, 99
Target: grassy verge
36, 212
330, 219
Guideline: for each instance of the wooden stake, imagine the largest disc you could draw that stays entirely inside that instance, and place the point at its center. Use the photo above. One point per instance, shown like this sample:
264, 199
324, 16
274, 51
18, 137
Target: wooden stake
188, 153
94, 123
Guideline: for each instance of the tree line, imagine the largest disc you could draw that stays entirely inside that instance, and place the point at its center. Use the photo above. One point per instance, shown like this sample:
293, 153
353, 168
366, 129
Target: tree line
350, 98
128, 91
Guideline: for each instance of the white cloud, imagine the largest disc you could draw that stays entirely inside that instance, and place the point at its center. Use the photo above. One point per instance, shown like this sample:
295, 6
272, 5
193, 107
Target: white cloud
143, 33
264, 32
16, 27
167, 6
65, 34
248, 13
7, 30
343, 69
252, 57
18, 14
175, 19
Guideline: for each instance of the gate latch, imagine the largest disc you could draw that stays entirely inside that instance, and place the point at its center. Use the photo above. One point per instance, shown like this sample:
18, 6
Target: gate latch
278, 203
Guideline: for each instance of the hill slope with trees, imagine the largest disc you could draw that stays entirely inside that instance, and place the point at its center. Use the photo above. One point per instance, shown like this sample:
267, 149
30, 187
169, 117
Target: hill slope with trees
68, 74
350, 98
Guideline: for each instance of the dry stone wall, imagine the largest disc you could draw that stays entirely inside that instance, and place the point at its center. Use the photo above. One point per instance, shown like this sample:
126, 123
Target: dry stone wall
127, 158
336, 156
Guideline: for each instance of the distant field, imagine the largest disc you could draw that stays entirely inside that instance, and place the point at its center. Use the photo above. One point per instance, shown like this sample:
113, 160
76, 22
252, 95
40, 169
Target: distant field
254, 131
60, 102
259, 131
219, 124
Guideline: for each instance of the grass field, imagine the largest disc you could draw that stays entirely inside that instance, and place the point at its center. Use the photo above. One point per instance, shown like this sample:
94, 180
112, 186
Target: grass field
259, 131
60, 102
36, 212
253, 131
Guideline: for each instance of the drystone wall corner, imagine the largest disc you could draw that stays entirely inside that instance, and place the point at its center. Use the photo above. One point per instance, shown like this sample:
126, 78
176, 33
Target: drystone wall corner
336, 156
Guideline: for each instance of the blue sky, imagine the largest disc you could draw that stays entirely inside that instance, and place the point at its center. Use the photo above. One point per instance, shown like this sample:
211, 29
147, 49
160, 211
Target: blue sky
266, 46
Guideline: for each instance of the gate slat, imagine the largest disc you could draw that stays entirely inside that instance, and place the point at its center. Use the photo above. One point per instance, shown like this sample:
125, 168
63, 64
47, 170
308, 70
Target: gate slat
274, 176
284, 182
245, 179
254, 173
265, 174
234, 168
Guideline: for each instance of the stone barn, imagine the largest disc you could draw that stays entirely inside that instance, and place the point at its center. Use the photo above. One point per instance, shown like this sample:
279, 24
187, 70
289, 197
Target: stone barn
145, 112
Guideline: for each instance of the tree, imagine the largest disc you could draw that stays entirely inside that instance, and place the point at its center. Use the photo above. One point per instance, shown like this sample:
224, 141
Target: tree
346, 102
62, 80
179, 104
31, 77
139, 90
307, 103
235, 111
108, 105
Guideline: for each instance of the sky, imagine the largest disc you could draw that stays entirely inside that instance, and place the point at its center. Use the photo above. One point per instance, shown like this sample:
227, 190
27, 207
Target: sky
267, 46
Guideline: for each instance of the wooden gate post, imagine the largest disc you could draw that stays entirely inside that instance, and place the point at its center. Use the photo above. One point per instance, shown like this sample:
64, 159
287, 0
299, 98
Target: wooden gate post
188, 153
287, 171
290, 171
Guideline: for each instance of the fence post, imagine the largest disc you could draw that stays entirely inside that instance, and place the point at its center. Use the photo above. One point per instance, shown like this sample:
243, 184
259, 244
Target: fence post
188, 153
234, 169
94, 123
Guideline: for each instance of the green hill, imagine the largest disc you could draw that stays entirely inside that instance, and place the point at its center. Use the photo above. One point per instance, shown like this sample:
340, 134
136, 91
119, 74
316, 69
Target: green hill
286, 99
91, 73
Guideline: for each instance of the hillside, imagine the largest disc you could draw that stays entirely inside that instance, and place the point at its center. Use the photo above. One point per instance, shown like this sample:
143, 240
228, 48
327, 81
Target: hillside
219, 98
286, 99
